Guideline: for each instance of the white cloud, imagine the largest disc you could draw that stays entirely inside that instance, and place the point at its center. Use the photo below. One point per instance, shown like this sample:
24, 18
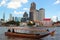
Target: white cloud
3, 2
16, 3
15, 12
24, 1
57, 2
26, 9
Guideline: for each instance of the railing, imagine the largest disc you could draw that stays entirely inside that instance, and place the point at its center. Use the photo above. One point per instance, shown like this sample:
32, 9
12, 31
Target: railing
28, 29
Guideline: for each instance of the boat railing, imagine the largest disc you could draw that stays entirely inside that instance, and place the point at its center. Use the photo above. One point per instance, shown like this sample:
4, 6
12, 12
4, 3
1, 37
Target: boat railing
27, 30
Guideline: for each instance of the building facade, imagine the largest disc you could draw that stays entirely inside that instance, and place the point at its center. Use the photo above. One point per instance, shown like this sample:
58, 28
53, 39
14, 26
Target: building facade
32, 11
4, 16
47, 22
25, 17
36, 15
41, 14
11, 17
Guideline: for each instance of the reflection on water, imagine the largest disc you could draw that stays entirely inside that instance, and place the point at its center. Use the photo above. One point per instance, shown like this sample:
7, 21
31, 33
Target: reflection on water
55, 37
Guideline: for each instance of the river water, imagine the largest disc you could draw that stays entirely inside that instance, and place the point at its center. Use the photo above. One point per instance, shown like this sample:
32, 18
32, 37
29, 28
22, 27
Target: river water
55, 37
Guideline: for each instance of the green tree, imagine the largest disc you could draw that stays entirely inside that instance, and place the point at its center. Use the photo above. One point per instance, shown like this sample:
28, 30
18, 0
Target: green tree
31, 23
17, 23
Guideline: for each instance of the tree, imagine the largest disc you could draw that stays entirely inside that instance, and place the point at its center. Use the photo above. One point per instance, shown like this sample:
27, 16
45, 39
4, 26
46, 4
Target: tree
31, 23
17, 23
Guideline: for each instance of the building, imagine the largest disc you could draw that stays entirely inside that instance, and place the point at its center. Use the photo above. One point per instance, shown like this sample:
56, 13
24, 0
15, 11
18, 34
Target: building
23, 19
4, 16
47, 22
10, 17
32, 11
25, 15
13, 18
0, 22
35, 14
17, 19
41, 14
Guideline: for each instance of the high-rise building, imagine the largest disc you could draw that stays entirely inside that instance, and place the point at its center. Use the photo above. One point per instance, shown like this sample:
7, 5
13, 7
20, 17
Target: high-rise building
36, 15
33, 7
41, 14
25, 15
17, 19
4, 16
10, 17
32, 11
13, 18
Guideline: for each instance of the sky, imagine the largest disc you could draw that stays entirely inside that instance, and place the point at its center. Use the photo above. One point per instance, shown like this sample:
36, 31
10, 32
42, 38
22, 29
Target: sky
18, 7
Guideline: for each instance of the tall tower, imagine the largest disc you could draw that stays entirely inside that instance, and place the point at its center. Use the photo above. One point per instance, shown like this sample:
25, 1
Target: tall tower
41, 14
33, 7
11, 18
32, 10
4, 16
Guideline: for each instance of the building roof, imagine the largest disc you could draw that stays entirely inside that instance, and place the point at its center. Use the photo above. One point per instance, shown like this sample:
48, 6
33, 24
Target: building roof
33, 3
47, 19
41, 9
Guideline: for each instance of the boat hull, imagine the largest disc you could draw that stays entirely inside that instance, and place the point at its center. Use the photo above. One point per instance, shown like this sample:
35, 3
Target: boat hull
25, 35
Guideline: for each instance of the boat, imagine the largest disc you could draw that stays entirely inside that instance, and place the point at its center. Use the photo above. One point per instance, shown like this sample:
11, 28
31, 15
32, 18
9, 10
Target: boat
26, 35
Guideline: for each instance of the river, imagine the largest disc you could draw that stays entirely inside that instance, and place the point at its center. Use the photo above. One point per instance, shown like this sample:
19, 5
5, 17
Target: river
55, 37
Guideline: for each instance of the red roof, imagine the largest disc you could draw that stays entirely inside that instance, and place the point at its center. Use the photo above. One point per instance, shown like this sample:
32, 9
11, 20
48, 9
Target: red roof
46, 19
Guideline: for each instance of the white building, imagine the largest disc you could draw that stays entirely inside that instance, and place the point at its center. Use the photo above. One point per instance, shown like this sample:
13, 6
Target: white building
47, 22
41, 14
54, 18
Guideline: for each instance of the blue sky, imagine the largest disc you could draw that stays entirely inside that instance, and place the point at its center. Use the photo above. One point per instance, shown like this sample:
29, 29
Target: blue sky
18, 7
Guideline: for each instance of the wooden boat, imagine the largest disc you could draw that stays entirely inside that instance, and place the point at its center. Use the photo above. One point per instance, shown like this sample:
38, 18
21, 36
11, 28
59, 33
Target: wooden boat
25, 35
